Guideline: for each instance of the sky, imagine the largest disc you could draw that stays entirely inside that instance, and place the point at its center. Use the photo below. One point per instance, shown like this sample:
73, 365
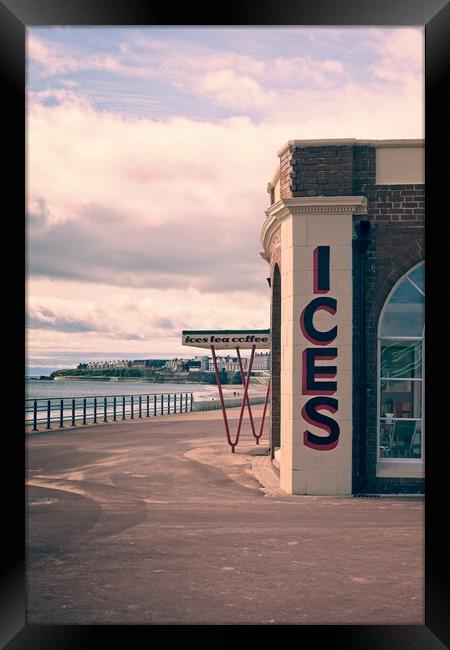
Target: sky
149, 151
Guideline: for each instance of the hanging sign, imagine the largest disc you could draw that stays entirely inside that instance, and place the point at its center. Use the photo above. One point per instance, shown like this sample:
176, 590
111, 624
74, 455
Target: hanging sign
226, 339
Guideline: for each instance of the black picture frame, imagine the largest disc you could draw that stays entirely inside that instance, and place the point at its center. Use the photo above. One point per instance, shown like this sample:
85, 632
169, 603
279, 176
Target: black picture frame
15, 16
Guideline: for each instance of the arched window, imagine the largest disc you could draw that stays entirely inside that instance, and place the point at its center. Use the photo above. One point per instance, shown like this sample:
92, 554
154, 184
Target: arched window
400, 367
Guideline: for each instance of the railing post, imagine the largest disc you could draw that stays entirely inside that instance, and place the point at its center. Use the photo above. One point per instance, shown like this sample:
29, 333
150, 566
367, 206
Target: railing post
114, 408
132, 407
95, 410
73, 412
61, 414
148, 405
84, 410
105, 407
140, 406
48, 414
168, 404
35, 415
192, 401
154, 405
123, 407
162, 404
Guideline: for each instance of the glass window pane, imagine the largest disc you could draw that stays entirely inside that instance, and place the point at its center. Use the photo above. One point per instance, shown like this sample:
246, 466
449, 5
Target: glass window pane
404, 315
418, 277
401, 359
403, 399
403, 320
401, 439
406, 293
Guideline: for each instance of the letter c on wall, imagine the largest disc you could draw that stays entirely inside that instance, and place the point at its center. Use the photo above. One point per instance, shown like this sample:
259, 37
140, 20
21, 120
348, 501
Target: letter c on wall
306, 320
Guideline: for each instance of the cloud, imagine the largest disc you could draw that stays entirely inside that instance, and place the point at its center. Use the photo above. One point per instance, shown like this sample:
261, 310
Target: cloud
155, 171
232, 82
41, 317
57, 59
307, 71
172, 204
401, 56
236, 91
66, 321
99, 247
137, 227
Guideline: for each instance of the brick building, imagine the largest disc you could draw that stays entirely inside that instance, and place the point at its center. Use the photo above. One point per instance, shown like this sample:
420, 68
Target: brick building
228, 363
344, 237
261, 361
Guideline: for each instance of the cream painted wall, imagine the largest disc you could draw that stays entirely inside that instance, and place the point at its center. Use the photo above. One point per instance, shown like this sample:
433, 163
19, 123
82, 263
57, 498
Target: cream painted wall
305, 224
400, 165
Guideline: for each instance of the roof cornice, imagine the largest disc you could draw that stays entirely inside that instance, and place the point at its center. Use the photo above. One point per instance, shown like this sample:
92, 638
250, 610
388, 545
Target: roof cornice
307, 205
350, 142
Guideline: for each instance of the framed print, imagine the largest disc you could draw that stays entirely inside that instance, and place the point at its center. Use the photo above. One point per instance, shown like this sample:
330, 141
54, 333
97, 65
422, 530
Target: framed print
254, 179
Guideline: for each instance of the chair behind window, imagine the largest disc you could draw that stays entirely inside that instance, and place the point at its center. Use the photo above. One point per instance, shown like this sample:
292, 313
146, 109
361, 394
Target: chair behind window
403, 436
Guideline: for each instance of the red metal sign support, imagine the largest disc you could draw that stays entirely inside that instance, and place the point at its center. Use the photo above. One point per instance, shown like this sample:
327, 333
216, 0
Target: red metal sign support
264, 413
245, 399
219, 386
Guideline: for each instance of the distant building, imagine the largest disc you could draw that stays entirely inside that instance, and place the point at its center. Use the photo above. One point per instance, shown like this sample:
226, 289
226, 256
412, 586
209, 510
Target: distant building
155, 363
99, 365
228, 363
176, 365
261, 361
124, 363
199, 364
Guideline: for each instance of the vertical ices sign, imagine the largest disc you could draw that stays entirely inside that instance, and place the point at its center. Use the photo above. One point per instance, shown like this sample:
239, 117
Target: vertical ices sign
319, 380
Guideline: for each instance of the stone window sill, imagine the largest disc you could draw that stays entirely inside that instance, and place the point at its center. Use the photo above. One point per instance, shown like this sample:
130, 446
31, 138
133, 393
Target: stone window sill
413, 469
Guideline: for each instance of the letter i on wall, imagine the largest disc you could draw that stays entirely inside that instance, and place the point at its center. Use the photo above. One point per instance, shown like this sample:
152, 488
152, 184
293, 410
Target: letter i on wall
321, 266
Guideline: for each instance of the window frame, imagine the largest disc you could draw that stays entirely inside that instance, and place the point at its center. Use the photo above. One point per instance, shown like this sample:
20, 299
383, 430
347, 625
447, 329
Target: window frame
381, 460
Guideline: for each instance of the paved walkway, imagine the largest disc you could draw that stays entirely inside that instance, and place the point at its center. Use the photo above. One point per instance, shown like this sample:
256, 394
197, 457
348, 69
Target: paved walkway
155, 521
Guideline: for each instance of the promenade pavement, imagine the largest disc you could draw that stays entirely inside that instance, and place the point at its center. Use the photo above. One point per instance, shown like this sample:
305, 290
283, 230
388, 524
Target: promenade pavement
154, 521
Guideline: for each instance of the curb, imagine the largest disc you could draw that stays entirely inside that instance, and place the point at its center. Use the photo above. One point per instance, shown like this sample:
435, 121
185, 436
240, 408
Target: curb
265, 474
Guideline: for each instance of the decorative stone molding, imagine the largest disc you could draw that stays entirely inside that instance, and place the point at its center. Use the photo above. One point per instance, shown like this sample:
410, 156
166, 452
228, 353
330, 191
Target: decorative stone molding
350, 142
307, 205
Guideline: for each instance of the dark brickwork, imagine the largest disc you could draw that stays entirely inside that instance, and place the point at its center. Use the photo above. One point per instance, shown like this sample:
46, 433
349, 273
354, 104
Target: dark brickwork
286, 173
394, 250
397, 203
363, 170
316, 171
396, 214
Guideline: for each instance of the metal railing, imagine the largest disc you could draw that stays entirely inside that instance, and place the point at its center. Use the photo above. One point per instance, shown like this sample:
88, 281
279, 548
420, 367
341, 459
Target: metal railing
59, 411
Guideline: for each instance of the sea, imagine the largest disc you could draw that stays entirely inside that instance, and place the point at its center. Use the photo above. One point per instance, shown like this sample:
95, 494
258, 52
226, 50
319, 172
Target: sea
65, 389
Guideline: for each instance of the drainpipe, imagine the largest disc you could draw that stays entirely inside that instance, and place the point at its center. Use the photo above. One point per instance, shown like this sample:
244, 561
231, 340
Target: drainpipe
362, 242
